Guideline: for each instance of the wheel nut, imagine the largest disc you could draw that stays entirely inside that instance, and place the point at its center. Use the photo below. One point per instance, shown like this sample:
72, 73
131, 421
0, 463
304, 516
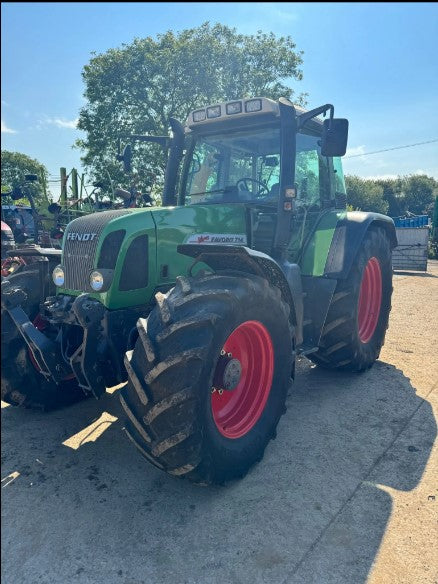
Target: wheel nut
213, 389
229, 355
222, 352
220, 391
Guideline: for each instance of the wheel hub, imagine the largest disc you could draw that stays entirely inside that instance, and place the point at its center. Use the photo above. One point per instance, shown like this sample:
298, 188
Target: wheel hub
242, 379
228, 372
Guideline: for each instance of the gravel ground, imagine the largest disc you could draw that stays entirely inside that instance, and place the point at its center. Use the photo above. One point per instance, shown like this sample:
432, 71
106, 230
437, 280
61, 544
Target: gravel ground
346, 494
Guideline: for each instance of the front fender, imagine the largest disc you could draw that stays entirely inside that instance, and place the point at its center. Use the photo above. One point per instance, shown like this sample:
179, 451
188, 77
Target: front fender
287, 277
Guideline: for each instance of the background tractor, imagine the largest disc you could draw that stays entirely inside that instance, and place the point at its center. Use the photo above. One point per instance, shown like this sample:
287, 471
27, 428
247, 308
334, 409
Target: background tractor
202, 305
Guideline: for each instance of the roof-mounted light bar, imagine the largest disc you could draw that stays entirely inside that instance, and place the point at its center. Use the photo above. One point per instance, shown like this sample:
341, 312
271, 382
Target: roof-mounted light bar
236, 108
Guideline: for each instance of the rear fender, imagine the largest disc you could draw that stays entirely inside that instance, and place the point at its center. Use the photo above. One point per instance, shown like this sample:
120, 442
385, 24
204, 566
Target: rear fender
347, 239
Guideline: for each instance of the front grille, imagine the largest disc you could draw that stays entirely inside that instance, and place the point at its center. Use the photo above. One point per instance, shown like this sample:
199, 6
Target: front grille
79, 256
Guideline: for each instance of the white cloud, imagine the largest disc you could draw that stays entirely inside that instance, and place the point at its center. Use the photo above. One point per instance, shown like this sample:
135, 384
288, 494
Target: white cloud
272, 15
382, 177
356, 151
281, 14
6, 130
61, 123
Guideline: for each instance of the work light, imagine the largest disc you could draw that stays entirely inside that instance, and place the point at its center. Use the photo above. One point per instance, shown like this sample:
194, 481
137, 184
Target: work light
253, 105
234, 108
199, 116
214, 111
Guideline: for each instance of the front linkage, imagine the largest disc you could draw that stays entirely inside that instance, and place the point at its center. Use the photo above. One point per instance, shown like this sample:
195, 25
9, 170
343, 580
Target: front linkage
89, 340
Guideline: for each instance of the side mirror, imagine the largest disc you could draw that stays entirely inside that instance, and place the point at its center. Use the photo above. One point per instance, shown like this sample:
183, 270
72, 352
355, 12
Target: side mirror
16, 194
334, 137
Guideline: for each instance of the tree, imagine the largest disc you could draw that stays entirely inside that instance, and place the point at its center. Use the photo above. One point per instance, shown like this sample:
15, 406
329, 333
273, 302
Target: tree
14, 166
394, 195
136, 88
420, 191
365, 195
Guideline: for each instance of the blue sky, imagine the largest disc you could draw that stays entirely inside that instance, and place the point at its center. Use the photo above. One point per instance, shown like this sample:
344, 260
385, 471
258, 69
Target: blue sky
376, 62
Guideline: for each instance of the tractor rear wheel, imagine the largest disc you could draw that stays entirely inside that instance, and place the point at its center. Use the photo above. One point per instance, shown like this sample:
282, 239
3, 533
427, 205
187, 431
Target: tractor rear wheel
356, 323
21, 382
208, 376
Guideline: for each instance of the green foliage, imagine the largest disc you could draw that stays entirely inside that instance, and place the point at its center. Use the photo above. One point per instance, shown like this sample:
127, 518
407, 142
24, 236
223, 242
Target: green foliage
419, 191
432, 252
365, 195
136, 88
413, 193
393, 194
14, 165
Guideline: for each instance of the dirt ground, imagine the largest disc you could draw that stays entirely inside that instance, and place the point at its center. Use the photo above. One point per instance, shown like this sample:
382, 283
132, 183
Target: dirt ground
346, 494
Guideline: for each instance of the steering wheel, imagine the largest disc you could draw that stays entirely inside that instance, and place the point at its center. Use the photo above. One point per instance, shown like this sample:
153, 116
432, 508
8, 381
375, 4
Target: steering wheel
262, 190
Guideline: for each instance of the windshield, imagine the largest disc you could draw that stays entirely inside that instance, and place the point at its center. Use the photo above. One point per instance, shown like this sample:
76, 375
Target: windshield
235, 167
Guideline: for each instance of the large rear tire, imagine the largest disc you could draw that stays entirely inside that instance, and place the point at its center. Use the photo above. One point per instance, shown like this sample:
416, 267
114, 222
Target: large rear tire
208, 376
21, 382
356, 323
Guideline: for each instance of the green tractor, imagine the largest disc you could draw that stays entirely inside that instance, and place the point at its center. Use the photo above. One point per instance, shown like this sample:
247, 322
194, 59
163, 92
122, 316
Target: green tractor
203, 305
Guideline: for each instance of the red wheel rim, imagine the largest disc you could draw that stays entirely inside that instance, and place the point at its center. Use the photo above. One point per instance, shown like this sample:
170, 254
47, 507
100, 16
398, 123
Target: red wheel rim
370, 298
40, 323
236, 411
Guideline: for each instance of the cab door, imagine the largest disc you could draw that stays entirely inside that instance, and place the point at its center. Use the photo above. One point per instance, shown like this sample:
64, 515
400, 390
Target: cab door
313, 191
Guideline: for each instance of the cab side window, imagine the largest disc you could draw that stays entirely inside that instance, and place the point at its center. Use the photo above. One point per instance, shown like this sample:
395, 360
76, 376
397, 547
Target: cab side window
339, 175
311, 173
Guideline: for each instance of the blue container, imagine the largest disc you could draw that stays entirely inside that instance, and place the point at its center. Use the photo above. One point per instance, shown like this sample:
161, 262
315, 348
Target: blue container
420, 221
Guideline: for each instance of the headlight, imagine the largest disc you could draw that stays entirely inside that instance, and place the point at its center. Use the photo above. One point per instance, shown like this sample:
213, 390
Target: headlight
96, 281
58, 276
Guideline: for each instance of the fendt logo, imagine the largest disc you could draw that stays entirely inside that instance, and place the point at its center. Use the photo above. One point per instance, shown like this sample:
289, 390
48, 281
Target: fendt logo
72, 236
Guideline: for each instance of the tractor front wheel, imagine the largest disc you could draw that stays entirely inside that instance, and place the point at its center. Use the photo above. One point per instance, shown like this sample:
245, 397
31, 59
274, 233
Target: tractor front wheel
209, 375
356, 323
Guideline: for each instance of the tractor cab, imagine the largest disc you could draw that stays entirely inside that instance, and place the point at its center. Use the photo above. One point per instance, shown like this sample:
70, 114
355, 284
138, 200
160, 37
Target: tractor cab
240, 151
281, 162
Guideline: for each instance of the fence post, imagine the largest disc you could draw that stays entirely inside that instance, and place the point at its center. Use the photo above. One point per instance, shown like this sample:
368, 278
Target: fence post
82, 185
74, 188
63, 197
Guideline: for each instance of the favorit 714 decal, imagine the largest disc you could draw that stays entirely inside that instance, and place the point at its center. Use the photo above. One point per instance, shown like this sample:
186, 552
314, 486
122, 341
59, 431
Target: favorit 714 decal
218, 238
